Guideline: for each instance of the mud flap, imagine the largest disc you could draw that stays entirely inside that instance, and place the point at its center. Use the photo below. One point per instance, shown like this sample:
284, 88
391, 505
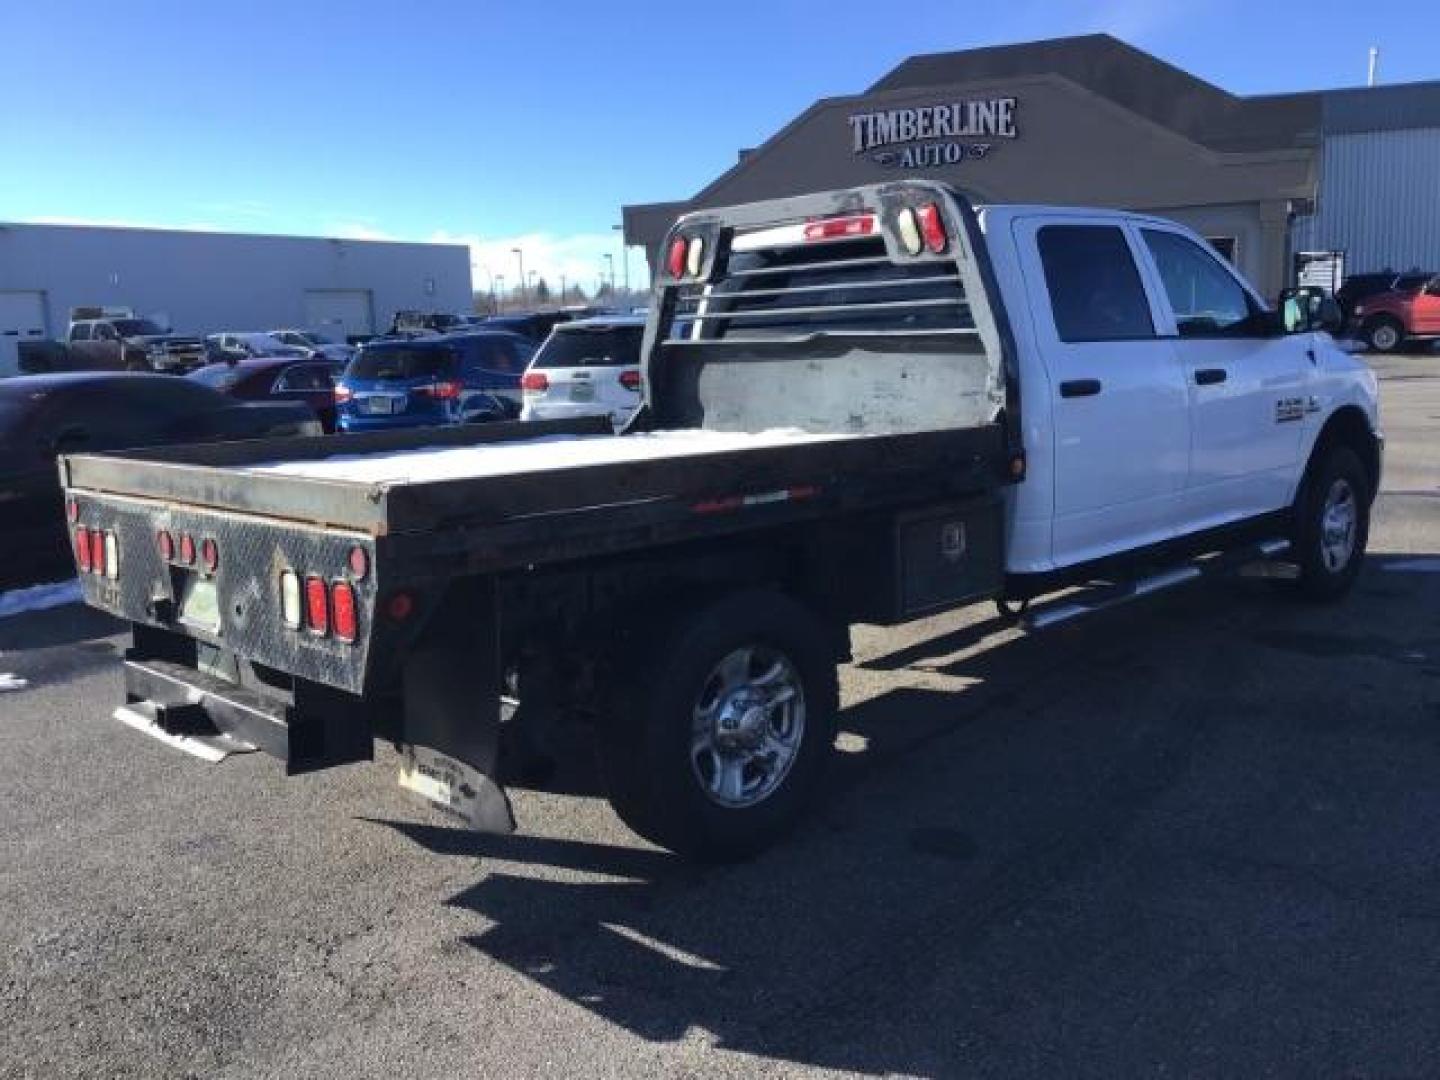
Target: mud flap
451, 729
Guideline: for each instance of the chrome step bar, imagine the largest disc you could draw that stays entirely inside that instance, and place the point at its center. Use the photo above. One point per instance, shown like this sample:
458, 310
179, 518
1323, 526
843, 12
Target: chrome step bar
1104, 597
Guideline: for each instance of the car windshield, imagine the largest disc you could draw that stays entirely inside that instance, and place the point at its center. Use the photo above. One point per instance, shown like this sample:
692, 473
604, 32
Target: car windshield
390, 362
599, 346
137, 327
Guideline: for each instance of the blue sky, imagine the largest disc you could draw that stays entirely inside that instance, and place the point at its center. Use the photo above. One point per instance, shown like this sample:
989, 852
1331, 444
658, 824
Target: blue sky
529, 123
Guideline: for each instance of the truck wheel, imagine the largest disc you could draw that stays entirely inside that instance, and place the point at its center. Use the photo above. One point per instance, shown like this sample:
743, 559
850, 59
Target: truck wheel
1332, 525
1385, 335
722, 737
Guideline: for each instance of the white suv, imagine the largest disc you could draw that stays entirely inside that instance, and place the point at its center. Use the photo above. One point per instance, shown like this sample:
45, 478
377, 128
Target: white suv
590, 367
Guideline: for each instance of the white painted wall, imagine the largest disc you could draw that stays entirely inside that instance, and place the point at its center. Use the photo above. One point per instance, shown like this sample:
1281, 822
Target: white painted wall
224, 281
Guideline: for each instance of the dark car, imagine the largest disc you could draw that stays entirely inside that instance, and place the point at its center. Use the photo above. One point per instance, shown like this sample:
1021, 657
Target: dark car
535, 325
311, 381
1358, 287
45, 415
456, 379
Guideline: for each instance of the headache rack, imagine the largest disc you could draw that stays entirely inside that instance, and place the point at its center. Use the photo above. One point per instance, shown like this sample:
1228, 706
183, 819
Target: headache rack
882, 291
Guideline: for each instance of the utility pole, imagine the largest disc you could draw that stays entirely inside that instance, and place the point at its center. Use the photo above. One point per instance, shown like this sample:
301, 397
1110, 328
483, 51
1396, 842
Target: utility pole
611, 260
500, 290
521, 256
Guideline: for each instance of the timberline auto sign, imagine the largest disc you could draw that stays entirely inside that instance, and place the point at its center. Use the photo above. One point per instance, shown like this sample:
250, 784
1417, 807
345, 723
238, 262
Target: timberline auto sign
933, 135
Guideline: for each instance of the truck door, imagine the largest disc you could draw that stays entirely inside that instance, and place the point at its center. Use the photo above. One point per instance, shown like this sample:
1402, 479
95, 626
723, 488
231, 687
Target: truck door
1117, 397
1247, 383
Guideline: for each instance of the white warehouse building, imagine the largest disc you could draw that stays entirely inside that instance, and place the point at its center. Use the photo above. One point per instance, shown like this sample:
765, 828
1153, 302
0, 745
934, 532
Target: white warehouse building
200, 282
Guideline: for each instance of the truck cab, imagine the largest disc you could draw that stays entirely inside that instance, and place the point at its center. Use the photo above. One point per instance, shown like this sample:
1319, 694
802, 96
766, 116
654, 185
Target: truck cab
1164, 399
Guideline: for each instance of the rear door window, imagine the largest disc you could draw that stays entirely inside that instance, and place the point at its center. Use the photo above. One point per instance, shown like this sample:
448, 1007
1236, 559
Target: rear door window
610, 346
398, 362
1095, 289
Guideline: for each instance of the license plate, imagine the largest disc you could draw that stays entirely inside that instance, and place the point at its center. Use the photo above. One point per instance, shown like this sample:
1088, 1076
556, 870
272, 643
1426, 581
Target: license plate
582, 391
381, 404
200, 604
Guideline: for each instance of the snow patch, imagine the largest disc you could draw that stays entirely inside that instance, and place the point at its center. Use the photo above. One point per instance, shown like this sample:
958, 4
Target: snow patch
12, 682
533, 455
39, 597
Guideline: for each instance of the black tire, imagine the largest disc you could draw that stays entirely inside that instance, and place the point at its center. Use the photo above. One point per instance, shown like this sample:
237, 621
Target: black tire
647, 742
1332, 472
1384, 335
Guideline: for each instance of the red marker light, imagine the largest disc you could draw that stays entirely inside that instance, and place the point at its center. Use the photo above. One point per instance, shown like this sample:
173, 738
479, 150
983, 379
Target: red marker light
630, 379
342, 607
82, 548
932, 226
676, 261
165, 545
400, 606
535, 381
187, 549
836, 228
317, 606
210, 554
359, 562
72, 510
97, 551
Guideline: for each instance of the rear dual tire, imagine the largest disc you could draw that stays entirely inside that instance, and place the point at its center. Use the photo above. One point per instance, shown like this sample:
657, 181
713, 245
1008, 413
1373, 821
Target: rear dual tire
720, 737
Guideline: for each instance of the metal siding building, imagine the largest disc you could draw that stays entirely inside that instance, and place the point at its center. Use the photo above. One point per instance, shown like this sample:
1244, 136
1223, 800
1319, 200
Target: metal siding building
204, 282
1098, 122
1379, 179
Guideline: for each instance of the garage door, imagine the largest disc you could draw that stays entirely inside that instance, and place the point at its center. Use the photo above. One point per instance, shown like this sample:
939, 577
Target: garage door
340, 313
22, 318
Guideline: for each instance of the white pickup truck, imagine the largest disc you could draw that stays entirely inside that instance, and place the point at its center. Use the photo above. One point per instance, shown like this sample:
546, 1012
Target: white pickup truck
860, 406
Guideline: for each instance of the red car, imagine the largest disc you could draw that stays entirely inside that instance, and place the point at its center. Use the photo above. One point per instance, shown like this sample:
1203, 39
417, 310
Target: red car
279, 378
1388, 320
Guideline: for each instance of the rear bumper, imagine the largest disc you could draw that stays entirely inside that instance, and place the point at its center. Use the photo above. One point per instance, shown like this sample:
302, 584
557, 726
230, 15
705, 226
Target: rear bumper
188, 702
319, 729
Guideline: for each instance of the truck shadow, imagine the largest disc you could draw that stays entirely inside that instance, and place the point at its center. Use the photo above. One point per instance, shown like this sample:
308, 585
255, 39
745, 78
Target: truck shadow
882, 937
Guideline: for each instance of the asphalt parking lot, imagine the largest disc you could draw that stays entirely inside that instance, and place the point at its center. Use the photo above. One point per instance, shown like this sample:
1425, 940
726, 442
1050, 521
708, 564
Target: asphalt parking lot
1199, 836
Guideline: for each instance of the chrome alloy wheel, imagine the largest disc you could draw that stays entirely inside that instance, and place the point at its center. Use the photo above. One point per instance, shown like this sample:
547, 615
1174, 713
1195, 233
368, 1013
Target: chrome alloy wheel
1338, 523
747, 727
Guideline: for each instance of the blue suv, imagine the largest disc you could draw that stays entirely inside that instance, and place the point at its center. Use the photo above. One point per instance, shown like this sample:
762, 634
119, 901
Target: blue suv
462, 378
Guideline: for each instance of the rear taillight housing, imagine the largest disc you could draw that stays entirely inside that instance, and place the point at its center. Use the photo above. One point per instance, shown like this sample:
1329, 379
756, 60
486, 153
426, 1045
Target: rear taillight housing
630, 379
343, 393
210, 555
537, 382
165, 545
187, 549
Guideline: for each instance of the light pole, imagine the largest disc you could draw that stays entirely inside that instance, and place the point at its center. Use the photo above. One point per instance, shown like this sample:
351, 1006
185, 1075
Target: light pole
611, 260
563, 294
530, 282
521, 256
500, 291
624, 255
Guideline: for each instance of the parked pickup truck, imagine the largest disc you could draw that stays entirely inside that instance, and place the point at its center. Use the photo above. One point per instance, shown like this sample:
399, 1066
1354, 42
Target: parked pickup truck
861, 406
1386, 321
131, 344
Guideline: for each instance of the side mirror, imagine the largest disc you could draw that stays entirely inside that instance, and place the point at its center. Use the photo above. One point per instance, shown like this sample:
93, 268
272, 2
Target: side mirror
1308, 308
